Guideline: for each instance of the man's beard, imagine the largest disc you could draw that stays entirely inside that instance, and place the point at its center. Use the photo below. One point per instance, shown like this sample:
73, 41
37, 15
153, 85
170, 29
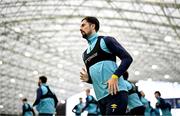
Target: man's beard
85, 36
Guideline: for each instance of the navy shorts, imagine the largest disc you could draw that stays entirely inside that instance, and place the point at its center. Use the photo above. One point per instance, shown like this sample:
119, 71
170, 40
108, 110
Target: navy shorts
114, 104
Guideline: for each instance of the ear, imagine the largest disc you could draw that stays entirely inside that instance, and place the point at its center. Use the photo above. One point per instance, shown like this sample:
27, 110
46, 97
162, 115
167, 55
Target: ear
93, 26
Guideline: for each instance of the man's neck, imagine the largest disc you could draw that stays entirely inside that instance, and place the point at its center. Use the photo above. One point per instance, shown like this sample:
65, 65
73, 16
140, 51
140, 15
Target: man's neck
91, 38
92, 34
43, 83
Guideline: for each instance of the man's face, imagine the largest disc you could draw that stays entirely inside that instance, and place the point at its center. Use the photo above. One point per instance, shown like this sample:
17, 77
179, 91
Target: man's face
142, 93
156, 95
23, 101
87, 91
86, 29
80, 99
39, 82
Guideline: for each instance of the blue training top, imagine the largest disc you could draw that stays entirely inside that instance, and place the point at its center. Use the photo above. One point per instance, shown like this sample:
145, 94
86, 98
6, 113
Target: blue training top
102, 71
27, 110
165, 111
133, 99
91, 105
77, 109
46, 105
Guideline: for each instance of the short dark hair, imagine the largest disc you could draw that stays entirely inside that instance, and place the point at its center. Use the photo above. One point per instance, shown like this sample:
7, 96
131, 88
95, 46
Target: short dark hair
157, 93
126, 75
93, 20
24, 99
43, 79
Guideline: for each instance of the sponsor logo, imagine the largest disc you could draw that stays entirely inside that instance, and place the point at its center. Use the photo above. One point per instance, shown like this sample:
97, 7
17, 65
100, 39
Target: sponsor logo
91, 57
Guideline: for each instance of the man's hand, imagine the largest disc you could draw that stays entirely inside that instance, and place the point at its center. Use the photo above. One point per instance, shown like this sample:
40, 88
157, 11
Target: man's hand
81, 110
84, 75
113, 85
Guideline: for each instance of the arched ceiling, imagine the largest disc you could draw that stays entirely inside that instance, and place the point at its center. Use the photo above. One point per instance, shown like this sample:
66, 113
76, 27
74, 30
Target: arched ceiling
41, 37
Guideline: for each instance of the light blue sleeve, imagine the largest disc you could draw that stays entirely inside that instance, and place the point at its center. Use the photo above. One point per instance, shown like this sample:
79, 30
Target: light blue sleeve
44, 90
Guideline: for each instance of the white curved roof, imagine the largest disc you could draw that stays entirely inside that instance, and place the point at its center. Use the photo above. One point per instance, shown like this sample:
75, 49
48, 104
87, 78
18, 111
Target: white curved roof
41, 37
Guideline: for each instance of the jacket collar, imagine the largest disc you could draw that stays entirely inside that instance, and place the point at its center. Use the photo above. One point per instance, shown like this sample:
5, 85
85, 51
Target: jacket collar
92, 38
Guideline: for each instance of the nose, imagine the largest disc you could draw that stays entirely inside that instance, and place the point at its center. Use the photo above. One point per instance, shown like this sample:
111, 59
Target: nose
81, 30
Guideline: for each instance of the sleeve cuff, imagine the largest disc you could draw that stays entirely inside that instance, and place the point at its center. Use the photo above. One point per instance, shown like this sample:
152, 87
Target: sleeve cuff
114, 76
